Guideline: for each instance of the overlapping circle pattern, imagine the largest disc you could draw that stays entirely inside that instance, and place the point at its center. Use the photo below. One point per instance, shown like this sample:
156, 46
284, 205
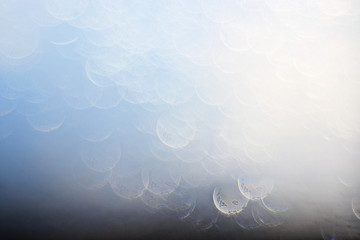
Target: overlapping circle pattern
167, 97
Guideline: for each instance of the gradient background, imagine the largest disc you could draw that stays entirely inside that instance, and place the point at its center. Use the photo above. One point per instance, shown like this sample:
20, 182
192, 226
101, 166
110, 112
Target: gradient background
102, 102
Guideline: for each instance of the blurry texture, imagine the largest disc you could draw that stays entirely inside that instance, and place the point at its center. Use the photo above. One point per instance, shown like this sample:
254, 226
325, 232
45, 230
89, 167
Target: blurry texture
234, 116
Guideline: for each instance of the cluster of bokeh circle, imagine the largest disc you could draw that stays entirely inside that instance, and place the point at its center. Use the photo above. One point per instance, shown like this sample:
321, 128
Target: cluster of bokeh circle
172, 96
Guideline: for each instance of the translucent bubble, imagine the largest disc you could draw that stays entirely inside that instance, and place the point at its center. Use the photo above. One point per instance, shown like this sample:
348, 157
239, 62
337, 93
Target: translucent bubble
63, 34
146, 123
232, 109
101, 156
175, 173
109, 98
205, 213
131, 162
66, 10
229, 200
355, 205
245, 219
263, 216
41, 17
193, 152
21, 64
97, 76
172, 87
151, 200
153, 103
109, 61
47, 120
275, 203
143, 65
174, 133
257, 154
225, 223
233, 36
134, 85
221, 152
68, 50
96, 126
82, 99
160, 181
212, 167
255, 188
162, 152
129, 95
181, 202
26, 108
19, 39
147, 85
346, 171
129, 187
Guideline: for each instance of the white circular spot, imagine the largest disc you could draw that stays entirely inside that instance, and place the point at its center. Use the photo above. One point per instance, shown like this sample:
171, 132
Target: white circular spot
229, 200
245, 219
47, 120
160, 181
255, 188
87, 178
173, 132
129, 187
18, 39
101, 156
